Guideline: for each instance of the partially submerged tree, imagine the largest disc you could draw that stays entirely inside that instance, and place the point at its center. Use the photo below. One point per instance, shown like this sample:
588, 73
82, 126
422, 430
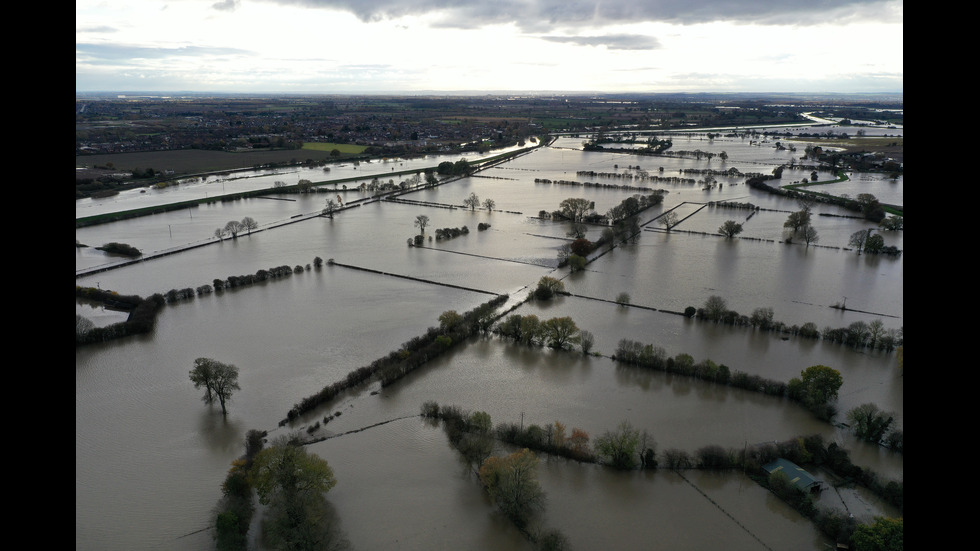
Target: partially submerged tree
798, 220
859, 239
548, 287
730, 229
233, 227
421, 221
291, 482
560, 332
219, 380
248, 224
668, 220
809, 235
816, 387
619, 447
870, 423
513, 485
576, 208
472, 201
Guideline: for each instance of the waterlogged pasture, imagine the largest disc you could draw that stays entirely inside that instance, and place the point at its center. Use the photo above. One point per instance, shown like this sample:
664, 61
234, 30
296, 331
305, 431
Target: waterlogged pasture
150, 457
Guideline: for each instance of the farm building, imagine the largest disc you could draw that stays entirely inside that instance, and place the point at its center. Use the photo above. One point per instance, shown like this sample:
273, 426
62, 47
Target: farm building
796, 474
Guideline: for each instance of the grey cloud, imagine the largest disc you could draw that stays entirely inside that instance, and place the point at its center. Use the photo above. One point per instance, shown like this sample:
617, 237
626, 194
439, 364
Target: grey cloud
115, 52
612, 41
226, 5
543, 14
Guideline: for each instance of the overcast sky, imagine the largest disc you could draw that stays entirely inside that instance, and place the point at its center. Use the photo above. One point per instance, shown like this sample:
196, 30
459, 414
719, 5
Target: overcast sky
357, 46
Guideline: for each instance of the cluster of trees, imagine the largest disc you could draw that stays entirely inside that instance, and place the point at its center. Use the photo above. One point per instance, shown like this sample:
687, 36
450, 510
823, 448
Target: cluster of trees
892, 223
459, 168
121, 249
449, 233
874, 425
234, 227
871, 243
473, 202
142, 315
858, 334
453, 329
798, 223
558, 332
580, 210
291, 483
861, 334
510, 481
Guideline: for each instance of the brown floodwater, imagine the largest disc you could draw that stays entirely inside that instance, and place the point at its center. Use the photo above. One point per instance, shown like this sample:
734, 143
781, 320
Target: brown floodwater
150, 456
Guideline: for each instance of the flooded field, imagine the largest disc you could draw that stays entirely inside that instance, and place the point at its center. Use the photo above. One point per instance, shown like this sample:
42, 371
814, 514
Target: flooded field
150, 456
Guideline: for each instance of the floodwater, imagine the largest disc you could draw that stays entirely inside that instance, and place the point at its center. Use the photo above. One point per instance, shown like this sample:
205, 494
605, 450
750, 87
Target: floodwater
150, 456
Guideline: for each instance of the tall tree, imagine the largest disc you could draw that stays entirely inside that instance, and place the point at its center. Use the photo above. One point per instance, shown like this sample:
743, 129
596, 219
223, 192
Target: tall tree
472, 201
421, 221
249, 224
219, 380
809, 235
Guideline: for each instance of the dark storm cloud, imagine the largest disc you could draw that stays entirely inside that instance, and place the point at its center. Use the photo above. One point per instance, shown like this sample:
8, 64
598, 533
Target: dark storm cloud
539, 14
612, 41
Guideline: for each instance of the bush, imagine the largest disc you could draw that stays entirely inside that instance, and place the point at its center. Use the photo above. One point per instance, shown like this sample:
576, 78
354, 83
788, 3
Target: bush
120, 248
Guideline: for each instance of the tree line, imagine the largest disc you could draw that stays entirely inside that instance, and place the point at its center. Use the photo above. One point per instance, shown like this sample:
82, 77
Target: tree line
453, 329
859, 334
142, 315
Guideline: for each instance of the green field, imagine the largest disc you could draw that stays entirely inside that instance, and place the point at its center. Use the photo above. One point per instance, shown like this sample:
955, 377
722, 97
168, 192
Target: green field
344, 148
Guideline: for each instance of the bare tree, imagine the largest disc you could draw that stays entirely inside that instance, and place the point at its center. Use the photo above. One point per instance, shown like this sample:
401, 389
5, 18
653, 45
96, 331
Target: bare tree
249, 224
809, 235
668, 220
421, 221
233, 227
